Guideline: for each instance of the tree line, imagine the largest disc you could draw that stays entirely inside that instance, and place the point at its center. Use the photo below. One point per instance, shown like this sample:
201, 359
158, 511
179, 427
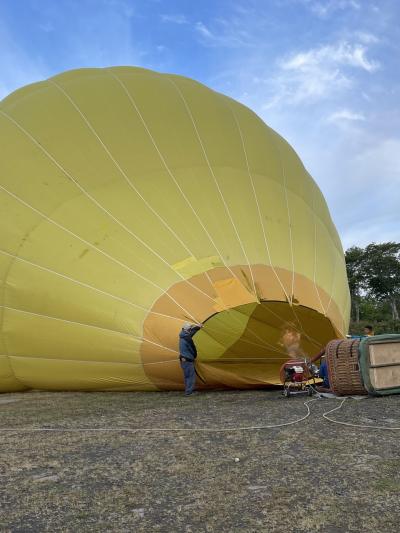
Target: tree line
374, 281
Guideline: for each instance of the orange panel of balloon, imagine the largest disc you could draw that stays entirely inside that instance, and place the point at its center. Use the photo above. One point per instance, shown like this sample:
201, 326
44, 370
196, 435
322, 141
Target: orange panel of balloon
132, 202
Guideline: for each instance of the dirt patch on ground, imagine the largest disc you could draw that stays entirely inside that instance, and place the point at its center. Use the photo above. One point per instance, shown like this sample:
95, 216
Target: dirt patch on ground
312, 476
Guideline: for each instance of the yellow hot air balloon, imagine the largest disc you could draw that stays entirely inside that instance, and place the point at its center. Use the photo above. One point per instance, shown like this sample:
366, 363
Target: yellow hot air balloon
133, 201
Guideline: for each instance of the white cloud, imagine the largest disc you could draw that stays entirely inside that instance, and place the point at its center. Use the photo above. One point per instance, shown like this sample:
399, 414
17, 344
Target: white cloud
227, 33
342, 53
175, 19
345, 114
325, 8
204, 31
318, 73
367, 38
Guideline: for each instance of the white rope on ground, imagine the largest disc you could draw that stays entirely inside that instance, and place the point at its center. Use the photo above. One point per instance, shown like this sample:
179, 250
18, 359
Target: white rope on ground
361, 426
201, 430
161, 430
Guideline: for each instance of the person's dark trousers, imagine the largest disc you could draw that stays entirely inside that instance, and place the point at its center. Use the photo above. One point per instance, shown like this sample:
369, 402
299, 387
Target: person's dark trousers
189, 375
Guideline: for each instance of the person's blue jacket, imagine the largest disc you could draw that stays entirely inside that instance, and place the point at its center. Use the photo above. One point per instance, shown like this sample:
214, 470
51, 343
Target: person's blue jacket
187, 348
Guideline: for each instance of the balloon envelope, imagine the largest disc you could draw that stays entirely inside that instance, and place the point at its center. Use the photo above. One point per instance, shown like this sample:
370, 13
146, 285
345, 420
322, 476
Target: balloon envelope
133, 202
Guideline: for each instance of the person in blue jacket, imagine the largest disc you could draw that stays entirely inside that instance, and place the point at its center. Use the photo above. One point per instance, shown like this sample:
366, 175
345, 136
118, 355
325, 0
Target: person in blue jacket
187, 355
323, 374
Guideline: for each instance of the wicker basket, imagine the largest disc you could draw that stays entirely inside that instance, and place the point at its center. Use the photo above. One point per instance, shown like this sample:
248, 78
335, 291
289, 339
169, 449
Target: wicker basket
343, 367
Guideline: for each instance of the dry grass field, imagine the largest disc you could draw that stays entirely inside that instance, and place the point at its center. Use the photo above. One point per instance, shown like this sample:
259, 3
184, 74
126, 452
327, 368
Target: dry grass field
313, 476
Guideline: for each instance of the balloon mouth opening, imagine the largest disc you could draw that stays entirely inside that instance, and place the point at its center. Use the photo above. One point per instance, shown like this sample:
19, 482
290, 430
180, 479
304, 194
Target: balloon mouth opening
268, 331
247, 335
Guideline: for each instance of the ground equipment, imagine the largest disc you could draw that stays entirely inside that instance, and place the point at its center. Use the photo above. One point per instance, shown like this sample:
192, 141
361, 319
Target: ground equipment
298, 376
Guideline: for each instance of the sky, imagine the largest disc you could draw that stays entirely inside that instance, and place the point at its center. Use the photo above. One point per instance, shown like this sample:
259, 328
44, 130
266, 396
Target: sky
325, 74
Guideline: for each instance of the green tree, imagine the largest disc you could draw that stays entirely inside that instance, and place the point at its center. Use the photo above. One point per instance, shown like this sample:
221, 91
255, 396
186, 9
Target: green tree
355, 257
381, 268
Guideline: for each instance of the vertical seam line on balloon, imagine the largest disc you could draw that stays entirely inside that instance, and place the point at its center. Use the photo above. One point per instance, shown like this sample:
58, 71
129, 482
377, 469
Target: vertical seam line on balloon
348, 301
261, 222
135, 106
95, 134
290, 222
292, 306
278, 148
169, 172
266, 243
123, 173
131, 99
188, 110
257, 202
315, 254
214, 178
333, 283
